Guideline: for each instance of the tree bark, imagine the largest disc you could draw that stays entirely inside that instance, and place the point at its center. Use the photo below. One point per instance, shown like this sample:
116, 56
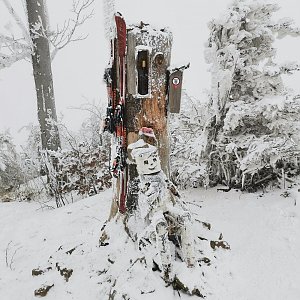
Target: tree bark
41, 63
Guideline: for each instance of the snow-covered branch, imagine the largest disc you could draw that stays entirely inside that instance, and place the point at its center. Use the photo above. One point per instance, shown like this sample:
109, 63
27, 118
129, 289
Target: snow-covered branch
7, 60
289, 67
18, 21
68, 32
285, 27
11, 48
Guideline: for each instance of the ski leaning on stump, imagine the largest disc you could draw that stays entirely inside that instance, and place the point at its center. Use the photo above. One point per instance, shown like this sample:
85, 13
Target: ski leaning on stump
115, 79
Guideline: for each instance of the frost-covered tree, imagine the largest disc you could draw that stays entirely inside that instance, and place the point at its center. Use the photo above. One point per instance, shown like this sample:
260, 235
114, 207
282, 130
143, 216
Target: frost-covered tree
11, 175
249, 106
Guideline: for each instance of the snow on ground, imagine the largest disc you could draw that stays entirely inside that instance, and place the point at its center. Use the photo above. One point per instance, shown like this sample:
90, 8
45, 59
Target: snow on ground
262, 230
38, 234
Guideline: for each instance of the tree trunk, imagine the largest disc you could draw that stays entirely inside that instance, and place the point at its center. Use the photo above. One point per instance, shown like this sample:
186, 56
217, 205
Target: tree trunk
41, 63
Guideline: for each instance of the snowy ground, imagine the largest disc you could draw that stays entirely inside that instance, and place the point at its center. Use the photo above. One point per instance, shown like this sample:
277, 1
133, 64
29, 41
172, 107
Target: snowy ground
262, 230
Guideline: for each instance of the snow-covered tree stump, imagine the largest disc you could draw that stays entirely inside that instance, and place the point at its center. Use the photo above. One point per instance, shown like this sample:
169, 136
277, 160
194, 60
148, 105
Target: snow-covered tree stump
159, 234
160, 207
162, 234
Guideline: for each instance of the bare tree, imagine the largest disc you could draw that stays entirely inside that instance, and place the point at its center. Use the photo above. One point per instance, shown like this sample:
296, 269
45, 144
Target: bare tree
36, 44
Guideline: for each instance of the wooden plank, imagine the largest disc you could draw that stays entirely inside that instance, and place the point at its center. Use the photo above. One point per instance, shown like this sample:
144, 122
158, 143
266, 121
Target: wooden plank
175, 88
131, 69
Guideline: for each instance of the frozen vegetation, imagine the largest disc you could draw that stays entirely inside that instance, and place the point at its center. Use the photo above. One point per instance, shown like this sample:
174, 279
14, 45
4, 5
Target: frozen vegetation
223, 226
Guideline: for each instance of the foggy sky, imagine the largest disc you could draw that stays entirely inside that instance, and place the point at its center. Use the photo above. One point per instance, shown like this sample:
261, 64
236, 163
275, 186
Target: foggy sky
77, 70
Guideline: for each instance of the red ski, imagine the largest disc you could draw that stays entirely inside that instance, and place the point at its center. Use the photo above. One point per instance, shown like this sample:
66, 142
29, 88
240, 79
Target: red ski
121, 129
115, 79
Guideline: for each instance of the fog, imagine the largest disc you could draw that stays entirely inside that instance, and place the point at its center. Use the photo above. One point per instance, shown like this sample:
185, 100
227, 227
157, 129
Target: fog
78, 69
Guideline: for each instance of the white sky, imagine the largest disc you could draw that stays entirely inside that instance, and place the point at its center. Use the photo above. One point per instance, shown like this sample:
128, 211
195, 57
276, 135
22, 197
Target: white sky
78, 69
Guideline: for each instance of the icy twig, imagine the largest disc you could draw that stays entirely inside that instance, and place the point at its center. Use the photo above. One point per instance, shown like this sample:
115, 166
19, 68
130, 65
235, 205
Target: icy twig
67, 33
18, 21
9, 261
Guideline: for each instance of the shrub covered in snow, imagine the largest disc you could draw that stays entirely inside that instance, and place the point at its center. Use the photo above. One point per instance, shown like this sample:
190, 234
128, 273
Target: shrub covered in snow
84, 168
85, 171
186, 143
